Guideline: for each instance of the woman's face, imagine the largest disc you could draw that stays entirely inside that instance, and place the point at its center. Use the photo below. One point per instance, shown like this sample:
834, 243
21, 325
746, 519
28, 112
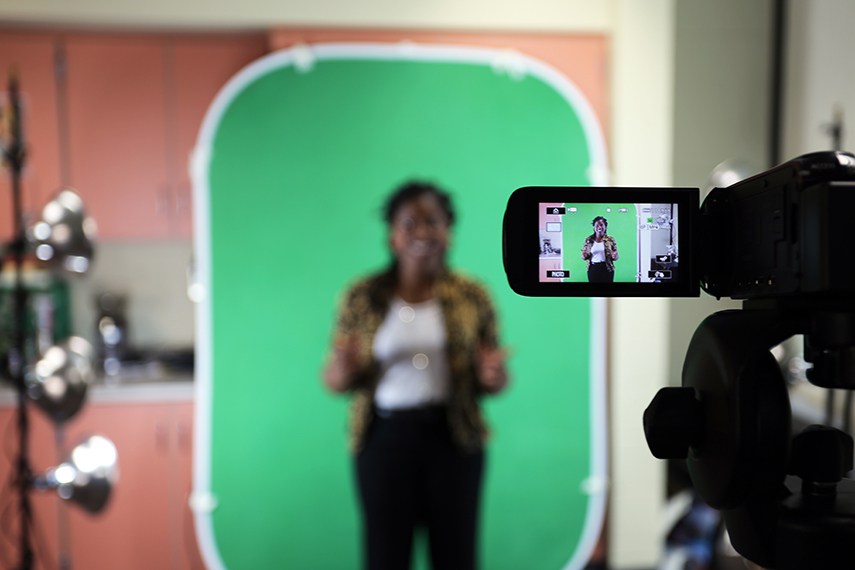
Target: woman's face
420, 234
599, 228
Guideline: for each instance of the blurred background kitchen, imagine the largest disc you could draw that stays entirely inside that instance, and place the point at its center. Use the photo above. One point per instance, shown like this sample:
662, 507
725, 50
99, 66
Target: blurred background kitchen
748, 84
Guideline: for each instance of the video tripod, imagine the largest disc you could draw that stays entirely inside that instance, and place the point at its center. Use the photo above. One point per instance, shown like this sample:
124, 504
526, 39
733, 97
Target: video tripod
784, 499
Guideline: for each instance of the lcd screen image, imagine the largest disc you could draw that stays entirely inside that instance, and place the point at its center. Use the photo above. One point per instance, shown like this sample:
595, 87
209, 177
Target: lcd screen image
608, 243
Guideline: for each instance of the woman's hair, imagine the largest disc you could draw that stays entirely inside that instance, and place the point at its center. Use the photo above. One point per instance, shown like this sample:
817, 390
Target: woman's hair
415, 189
605, 221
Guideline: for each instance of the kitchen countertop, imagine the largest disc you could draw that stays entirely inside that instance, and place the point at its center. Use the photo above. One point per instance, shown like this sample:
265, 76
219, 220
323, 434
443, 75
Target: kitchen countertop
165, 388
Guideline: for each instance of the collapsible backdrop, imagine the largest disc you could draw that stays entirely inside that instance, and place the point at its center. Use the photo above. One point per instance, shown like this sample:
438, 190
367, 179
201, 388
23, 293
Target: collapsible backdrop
293, 162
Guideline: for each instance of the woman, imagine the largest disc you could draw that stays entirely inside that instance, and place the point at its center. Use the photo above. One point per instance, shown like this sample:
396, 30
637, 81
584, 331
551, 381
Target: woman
600, 251
417, 346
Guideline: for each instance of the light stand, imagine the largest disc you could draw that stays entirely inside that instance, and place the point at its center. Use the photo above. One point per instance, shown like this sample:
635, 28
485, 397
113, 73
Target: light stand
13, 155
56, 379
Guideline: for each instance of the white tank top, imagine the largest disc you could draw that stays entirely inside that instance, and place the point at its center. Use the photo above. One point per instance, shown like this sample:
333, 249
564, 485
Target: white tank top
598, 252
410, 347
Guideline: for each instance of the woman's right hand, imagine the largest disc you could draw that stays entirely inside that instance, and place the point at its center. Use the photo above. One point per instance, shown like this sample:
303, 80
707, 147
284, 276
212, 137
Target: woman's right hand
586, 251
342, 364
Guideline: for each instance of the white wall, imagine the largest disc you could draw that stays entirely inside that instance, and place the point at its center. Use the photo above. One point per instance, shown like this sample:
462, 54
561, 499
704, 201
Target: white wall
153, 277
642, 103
722, 90
820, 75
557, 15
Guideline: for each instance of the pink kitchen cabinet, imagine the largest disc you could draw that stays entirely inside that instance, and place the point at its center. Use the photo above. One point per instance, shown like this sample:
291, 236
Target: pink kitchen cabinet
135, 105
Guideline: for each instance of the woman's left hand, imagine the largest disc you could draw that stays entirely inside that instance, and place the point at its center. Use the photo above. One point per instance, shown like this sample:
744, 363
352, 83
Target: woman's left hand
492, 376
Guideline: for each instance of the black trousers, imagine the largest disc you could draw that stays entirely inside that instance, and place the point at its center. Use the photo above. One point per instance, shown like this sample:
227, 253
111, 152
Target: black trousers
599, 273
411, 475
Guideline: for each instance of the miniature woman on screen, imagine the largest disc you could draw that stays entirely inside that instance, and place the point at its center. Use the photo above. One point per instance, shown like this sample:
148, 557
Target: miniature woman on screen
600, 251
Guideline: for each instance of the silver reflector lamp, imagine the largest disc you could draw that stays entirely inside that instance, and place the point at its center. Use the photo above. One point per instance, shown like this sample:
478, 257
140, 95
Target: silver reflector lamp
63, 239
87, 476
57, 383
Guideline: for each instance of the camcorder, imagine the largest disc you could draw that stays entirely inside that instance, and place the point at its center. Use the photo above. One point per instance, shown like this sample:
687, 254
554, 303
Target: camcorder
780, 242
775, 235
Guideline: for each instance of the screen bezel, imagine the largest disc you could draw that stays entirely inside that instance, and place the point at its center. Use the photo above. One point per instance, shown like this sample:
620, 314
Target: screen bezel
521, 250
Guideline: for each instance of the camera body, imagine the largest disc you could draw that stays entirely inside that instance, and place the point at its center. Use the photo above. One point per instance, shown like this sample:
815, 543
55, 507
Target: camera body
782, 233
779, 234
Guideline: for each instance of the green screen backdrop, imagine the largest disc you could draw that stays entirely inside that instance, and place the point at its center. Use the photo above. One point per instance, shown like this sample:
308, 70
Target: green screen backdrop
293, 162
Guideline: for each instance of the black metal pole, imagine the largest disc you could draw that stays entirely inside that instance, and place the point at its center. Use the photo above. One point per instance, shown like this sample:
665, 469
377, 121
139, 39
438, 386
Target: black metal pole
776, 87
14, 155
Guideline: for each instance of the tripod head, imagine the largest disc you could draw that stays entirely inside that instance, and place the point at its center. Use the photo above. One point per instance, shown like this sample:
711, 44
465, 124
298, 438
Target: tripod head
784, 498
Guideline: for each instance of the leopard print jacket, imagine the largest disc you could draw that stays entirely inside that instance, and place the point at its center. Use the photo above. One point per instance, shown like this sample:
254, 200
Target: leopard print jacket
610, 247
470, 323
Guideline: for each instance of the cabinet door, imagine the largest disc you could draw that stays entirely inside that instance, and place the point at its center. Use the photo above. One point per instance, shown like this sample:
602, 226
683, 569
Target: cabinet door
199, 68
133, 530
117, 132
31, 56
146, 524
136, 105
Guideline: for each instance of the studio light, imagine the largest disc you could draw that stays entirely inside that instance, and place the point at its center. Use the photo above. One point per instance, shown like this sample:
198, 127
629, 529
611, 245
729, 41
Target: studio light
87, 476
57, 383
63, 239
729, 172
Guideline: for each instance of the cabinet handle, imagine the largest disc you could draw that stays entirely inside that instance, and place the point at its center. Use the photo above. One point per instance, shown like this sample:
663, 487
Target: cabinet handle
161, 436
185, 439
164, 201
183, 197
